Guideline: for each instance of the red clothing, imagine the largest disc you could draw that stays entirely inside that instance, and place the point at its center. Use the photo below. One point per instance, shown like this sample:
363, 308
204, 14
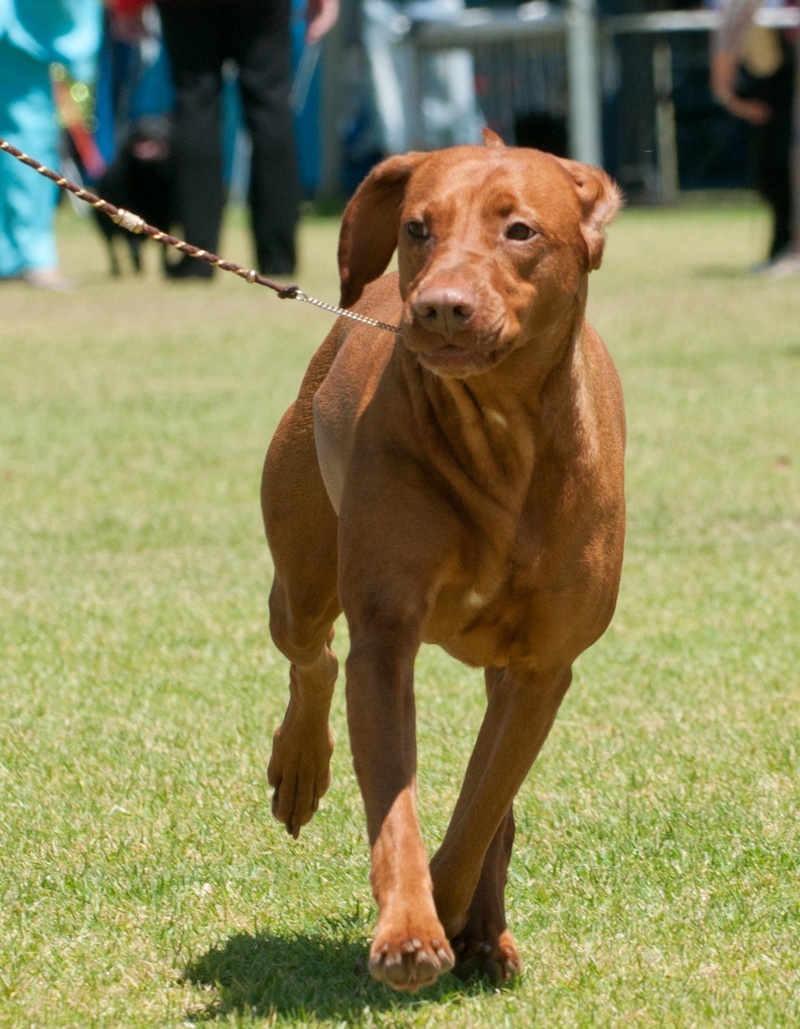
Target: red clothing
133, 6
128, 6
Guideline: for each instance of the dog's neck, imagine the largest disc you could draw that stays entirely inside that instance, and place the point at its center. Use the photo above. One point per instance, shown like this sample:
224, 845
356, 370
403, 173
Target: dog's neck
495, 424
520, 382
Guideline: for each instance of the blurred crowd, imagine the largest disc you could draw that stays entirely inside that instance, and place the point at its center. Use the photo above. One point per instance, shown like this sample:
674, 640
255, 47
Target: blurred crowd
147, 123
180, 153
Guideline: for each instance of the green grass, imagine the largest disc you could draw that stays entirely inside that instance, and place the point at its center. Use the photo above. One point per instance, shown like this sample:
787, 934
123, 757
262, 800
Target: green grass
143, 882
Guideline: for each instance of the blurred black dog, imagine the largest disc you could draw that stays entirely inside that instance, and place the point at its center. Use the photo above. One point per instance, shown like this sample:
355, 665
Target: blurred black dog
139, 179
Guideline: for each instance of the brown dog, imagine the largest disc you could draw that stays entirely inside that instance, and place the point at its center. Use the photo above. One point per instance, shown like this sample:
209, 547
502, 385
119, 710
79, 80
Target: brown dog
460, 483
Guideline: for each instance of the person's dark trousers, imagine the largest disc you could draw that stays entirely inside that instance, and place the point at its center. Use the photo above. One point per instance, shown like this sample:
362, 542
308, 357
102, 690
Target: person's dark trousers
774, 149
200, 36
772, 144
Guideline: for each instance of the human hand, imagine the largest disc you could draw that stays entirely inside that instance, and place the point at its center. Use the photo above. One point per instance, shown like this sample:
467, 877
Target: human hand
128, 28
321, 16
756, 112
723, 75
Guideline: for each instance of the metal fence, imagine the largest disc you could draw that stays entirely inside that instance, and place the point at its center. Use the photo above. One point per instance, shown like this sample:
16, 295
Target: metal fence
527, 83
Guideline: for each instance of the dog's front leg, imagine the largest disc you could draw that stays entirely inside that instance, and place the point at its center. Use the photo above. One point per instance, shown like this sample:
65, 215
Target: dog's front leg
410, 948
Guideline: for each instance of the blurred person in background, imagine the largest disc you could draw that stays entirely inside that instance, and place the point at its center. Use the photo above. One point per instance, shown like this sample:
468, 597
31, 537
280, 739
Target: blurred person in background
754, 76
448, 112
200, 36
34, 34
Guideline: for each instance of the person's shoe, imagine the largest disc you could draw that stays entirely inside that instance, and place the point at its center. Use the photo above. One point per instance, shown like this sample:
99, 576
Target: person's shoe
48, 278
190, 268
280, 262
280, 270
783, 266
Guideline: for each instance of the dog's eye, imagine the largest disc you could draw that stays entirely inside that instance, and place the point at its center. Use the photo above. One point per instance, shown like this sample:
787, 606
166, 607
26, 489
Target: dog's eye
520, 232
418, 230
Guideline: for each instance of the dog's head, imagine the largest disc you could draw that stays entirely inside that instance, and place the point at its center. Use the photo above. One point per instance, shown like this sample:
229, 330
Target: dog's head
494, 247
149, 139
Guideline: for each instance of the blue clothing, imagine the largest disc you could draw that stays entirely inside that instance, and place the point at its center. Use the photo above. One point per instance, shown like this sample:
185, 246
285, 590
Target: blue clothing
33, 34
66, 31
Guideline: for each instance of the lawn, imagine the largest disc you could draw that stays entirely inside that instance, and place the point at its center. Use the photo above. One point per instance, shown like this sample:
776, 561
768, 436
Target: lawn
143, 881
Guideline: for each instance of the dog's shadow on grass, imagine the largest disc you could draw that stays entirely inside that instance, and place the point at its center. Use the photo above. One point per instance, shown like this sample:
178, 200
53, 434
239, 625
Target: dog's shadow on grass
323, 975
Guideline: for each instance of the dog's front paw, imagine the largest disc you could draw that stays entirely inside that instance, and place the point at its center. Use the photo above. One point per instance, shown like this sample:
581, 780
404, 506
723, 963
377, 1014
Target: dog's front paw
299, 771
410, 963
495, 960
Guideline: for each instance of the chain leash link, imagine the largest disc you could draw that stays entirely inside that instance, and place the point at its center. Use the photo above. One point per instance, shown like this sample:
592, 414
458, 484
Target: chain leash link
298, 294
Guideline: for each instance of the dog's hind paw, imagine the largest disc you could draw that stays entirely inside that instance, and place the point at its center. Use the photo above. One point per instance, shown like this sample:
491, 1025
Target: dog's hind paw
498, 961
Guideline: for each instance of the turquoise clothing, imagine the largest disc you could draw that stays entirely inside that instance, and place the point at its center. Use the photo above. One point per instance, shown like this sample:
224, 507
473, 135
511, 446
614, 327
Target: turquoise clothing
66, 31
33, 34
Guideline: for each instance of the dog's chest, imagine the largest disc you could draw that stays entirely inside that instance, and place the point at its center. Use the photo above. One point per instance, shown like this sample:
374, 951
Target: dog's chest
494, 584
524, 576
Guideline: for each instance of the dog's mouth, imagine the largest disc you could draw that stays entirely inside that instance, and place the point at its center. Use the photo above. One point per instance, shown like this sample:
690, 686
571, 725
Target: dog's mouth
460, 362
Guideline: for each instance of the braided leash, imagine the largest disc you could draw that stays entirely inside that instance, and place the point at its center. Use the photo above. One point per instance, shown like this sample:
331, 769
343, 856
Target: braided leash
134, 223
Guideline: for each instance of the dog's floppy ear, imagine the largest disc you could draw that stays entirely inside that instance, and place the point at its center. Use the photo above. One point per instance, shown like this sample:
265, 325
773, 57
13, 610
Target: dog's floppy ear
370, 225
600, 199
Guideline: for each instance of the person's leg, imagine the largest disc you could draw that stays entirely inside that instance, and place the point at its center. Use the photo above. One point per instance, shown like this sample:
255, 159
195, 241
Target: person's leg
194, 42
261, 44
795, 147
27, 201
777, 185
774, 157
788, 263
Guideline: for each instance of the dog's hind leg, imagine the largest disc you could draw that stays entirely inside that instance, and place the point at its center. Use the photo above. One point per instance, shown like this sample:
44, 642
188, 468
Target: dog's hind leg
485, 948
301, 528
469, 870
135, 248
113, 261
